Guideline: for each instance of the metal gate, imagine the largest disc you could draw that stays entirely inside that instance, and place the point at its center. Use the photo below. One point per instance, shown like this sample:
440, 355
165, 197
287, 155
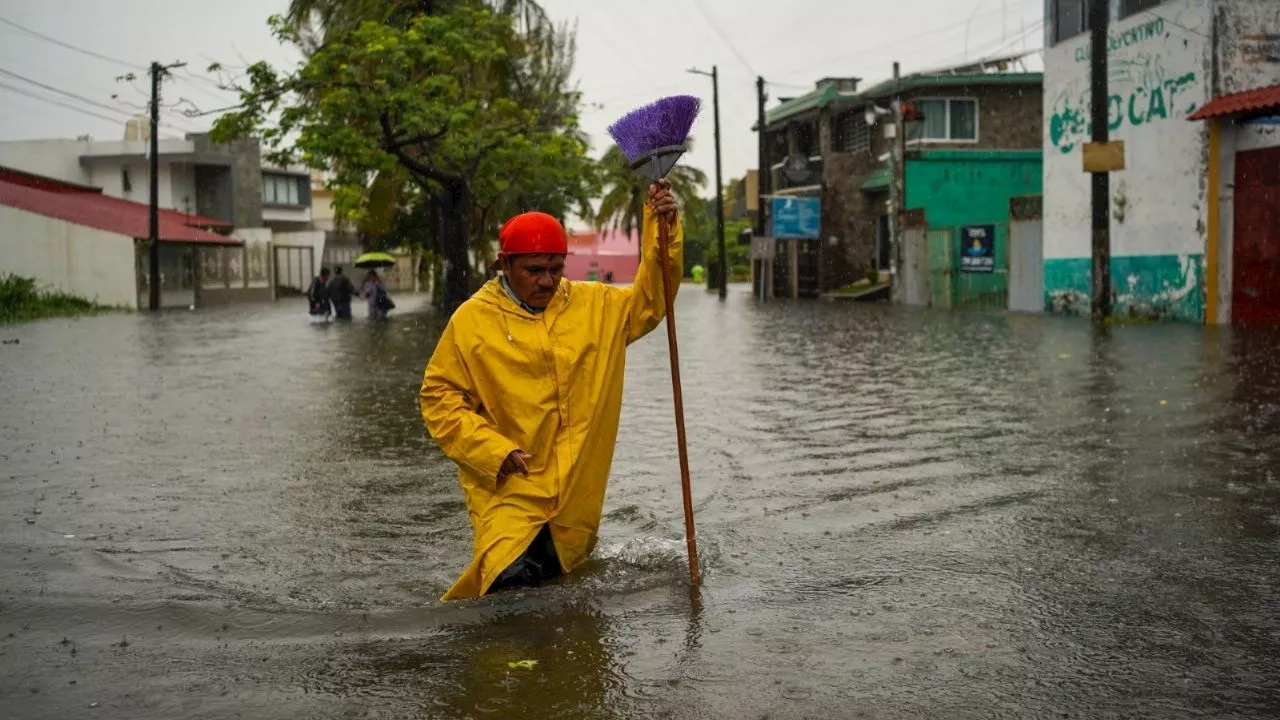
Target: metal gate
1026, 254
295, 267
1255, 256
940, 266
914, 271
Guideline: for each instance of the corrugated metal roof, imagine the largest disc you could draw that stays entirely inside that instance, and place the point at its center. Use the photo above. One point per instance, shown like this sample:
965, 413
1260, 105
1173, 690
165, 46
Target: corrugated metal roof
877, 180
828, 95
93, 209
924, 82
1249, 102
809, 101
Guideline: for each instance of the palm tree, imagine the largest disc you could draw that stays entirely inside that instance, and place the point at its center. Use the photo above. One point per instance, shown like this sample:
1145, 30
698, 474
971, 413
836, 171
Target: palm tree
625, 190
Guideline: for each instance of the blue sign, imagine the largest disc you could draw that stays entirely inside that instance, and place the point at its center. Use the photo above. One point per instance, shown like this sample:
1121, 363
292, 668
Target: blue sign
978, 248
796, 217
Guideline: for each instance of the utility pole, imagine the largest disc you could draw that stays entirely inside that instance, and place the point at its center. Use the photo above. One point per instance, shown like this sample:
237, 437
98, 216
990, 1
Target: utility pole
158, 72
764, 183
715, 104
897, 187
1099, 17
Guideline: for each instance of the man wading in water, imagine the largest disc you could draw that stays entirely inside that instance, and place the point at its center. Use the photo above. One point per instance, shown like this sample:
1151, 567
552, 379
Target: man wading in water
524, 391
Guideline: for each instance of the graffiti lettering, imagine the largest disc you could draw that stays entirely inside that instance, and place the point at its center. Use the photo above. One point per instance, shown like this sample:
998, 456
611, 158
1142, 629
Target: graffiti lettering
1070, 122
1133, 36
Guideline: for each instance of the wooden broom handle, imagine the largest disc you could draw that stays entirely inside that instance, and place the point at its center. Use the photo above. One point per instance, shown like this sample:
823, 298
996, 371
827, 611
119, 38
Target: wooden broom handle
668, 293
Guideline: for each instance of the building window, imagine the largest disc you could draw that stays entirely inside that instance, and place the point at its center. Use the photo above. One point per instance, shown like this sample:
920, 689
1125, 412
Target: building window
281, 189
852, 135
946, 120
1133, 7
1070, 18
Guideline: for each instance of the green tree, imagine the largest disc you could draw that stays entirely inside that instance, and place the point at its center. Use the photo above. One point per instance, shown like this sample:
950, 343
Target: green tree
447, 108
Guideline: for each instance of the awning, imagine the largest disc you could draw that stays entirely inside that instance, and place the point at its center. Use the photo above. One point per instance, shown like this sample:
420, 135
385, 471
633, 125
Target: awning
1260, 101
877, 180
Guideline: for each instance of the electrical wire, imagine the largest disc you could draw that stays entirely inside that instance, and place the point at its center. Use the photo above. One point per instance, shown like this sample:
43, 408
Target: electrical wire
702, 10
70, 46
65, 93
192, 77
995, 50
898, 42
187, 75
624, 48
59, 103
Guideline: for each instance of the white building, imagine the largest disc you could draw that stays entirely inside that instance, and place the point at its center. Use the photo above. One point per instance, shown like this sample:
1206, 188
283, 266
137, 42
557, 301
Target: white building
1174, 234
269, 208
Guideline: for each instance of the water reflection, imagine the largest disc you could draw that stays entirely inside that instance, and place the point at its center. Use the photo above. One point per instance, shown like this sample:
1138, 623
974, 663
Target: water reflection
551, 663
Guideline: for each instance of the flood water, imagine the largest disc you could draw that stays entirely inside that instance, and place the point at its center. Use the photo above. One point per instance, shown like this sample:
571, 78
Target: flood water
903, 514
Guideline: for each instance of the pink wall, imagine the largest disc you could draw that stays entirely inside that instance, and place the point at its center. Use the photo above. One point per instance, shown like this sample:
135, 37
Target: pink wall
614, 251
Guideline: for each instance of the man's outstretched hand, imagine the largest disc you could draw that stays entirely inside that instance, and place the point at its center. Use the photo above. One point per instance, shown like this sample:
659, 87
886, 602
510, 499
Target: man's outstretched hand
662, 201
516, 462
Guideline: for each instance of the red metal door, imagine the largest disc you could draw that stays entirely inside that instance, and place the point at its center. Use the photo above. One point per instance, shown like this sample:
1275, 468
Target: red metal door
1255, 256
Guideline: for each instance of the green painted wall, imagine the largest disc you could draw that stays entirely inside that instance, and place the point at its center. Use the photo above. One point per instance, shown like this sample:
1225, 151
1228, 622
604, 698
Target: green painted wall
973, 187
1162, 287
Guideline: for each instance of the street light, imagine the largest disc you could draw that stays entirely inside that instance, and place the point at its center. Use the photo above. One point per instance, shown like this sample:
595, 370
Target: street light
715, 103
874, 113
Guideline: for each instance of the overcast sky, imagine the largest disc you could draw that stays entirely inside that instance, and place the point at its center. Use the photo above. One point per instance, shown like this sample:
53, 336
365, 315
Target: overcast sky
629, 53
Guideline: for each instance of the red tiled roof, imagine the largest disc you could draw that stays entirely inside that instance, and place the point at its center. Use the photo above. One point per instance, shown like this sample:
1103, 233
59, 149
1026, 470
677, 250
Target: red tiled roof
90, 207
1247, 102
22, 177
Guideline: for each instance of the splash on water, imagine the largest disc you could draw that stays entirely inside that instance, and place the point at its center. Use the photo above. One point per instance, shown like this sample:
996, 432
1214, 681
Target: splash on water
658, 553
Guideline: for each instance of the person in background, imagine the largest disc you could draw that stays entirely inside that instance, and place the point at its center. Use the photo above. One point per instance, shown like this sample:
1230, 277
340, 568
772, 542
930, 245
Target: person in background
341, 290
376, 293
318, 296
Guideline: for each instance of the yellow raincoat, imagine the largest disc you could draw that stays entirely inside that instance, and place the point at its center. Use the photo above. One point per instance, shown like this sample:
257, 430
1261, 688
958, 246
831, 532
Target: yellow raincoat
502, 379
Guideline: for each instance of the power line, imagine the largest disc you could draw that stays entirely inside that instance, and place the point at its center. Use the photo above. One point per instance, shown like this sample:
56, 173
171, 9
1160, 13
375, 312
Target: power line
51, 101
187, 75
997, 48
702, 10
624, 47
70, 46
898, 42
64, 93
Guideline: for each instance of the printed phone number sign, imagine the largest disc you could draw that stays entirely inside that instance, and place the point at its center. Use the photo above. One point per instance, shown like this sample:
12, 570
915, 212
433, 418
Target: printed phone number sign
978, 248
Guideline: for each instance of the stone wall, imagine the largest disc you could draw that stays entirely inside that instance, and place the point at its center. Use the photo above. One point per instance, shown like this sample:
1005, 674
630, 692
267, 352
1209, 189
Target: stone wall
245, 159
848, 215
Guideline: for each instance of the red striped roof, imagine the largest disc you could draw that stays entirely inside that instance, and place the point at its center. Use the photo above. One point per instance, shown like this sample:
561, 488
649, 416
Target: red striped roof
88, 206
1249, 102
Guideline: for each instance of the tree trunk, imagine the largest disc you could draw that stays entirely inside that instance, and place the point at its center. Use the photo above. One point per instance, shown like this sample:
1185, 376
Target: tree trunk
457, 261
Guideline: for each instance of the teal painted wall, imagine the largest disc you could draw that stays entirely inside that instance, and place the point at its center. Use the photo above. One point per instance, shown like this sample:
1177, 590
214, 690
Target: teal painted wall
973, 187
1162, 287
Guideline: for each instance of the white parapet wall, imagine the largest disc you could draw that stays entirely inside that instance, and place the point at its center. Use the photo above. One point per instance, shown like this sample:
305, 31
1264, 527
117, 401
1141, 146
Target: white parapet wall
1159, 73
76, 259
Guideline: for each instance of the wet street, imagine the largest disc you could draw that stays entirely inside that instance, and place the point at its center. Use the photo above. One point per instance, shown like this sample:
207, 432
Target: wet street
903, 514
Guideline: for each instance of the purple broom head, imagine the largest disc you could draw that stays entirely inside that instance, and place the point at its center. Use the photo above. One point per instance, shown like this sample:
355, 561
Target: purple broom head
653, 137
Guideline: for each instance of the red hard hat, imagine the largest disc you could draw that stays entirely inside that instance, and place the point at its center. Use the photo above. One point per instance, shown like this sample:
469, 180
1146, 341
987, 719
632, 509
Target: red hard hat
533, 233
